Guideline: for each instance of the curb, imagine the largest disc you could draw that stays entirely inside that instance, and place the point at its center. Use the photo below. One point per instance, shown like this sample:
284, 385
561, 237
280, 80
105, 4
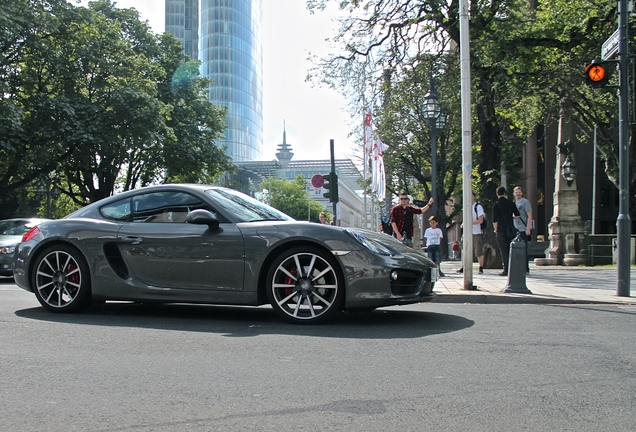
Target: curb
490, 298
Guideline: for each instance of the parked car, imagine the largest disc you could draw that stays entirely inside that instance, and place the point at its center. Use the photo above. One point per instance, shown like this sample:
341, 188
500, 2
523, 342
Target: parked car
204, 244
11, 232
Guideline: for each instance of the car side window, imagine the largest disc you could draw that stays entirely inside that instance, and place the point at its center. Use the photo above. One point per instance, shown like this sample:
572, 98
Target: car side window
119, 210
165, 207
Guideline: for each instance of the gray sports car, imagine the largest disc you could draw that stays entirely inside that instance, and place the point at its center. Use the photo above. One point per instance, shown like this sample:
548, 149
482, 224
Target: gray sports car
180, 243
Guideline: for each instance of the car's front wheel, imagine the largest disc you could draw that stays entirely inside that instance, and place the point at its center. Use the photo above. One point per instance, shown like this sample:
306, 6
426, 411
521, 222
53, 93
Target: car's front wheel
61, 281
303, 285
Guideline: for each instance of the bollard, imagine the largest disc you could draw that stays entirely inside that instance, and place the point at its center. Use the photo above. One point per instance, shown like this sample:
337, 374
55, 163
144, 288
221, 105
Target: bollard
517, 268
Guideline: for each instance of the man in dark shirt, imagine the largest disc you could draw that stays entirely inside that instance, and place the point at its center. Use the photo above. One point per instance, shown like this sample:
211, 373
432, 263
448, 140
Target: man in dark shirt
503, 212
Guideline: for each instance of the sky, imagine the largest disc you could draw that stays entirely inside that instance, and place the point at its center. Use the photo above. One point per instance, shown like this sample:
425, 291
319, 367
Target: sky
311, 116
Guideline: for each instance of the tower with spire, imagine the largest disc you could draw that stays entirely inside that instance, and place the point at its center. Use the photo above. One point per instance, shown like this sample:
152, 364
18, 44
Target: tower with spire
284, 153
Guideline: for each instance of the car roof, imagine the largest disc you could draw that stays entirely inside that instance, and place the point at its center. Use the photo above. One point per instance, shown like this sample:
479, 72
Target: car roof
88, 209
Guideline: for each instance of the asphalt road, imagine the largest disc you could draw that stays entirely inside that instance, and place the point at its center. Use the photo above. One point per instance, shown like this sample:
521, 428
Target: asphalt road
428, 367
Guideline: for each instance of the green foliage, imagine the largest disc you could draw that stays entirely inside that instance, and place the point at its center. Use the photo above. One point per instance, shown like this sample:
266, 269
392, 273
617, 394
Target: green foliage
525, 65
97, 101
291, 198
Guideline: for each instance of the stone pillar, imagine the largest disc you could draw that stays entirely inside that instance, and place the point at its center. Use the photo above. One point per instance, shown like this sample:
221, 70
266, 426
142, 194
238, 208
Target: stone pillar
566, 225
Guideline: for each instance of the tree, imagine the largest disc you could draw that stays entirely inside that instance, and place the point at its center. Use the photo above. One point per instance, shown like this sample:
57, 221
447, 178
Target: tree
89, 94
33, 122
406, 132
524, 61
291, 198
194, 123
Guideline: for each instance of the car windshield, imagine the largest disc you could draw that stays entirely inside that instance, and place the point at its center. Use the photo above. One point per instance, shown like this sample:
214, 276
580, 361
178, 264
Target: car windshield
244, 207
14, 228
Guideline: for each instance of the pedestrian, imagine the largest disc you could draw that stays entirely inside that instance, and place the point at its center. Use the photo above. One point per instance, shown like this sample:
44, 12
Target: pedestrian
503, 213
323, 218
523, 223
478, 241
456, 248
433, 237
402, 218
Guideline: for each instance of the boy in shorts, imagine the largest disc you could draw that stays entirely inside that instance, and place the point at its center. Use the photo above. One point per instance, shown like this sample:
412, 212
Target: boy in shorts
434, 236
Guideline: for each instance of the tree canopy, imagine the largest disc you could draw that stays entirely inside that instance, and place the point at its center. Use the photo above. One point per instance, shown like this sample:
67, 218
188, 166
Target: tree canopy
526, 62
96, 101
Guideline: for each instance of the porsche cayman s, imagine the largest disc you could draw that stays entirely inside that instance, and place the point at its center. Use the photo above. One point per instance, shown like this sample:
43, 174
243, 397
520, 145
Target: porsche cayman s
179, 243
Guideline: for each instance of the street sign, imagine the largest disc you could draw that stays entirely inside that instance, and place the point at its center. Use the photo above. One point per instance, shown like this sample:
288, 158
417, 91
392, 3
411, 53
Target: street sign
317, 181
610, 46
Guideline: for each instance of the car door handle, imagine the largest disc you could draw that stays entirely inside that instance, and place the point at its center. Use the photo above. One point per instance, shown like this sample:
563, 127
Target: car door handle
132, 239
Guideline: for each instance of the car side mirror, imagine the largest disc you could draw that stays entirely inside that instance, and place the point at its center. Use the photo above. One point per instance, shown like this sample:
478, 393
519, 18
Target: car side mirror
202, 217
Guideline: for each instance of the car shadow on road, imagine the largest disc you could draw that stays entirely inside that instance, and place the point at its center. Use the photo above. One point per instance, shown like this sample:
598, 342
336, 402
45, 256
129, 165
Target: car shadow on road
389, 323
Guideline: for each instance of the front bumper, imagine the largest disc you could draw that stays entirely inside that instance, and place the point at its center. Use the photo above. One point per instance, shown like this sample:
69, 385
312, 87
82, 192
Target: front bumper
376, 281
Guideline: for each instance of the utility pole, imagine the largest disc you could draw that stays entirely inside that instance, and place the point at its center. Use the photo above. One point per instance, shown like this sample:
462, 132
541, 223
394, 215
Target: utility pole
623, 223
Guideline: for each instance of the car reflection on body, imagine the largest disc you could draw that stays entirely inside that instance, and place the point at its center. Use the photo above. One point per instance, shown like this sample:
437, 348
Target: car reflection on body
212, 245
11, 232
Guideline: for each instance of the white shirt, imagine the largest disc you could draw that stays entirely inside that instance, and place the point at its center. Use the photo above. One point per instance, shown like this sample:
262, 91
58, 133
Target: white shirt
433, 236
476, 214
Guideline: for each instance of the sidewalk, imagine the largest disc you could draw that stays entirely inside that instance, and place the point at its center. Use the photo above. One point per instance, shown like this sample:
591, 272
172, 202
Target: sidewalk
548, 284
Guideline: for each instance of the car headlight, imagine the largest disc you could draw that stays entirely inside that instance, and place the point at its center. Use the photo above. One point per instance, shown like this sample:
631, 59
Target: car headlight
372, 245
7, 249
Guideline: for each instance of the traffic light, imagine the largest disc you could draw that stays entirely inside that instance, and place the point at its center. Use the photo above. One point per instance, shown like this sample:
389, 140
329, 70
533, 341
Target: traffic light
597, 73
331, 184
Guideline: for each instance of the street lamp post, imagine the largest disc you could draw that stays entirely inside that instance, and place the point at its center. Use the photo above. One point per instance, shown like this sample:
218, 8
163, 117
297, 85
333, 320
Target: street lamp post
45, 190
436, 122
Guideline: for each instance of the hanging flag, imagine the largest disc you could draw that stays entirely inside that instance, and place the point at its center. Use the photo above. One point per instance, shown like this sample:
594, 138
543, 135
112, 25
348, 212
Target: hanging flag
378, 182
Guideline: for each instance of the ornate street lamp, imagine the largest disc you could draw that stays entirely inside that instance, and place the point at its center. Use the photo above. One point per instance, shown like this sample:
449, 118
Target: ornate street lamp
44, 190
568, 169
432, 113
432, 108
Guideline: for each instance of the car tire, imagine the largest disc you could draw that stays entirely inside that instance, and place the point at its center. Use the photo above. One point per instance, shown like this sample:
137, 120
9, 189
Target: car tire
304, 285
61, 280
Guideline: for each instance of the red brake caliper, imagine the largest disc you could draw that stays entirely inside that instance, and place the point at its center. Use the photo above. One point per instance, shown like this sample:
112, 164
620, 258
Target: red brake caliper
289, 281
75, 277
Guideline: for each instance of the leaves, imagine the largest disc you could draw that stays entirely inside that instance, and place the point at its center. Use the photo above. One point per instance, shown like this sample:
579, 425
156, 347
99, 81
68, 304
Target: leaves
93, 96
291, 198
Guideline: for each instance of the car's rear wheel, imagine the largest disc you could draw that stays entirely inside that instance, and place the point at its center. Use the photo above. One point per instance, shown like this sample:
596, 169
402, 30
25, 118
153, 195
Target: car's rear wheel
304, 286
61, 281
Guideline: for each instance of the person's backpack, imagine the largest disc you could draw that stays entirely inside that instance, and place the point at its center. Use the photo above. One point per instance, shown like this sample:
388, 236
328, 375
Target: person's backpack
387, 228
484, 223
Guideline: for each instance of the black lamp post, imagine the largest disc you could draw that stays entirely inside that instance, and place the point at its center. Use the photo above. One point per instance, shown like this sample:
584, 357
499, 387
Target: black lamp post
45, 190
432, 112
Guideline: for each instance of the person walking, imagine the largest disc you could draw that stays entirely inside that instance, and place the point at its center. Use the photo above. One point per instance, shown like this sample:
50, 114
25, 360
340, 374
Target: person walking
503, 213
523, 223
433, 236
402, 218
478, 241
323, 218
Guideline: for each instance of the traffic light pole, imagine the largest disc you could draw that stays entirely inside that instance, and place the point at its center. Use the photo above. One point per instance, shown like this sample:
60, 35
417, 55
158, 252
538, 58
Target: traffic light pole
623, 223
333, 173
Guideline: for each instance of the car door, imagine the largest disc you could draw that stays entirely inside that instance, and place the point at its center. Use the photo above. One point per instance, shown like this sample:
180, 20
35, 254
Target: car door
162, 250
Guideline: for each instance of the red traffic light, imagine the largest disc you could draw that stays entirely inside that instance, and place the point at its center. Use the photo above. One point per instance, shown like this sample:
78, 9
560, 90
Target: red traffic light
597, 74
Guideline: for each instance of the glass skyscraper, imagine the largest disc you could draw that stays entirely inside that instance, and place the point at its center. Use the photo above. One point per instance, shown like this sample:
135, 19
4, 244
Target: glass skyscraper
231, 55
182, 21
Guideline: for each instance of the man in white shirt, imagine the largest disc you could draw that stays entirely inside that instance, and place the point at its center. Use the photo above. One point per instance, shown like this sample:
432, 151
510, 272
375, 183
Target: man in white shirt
478, 243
